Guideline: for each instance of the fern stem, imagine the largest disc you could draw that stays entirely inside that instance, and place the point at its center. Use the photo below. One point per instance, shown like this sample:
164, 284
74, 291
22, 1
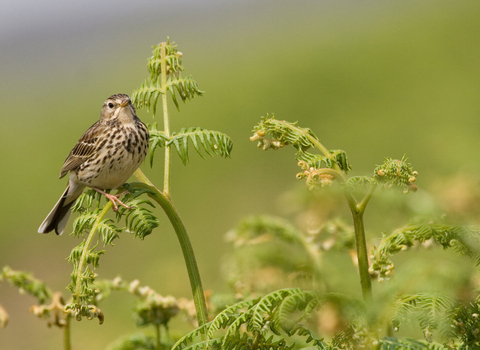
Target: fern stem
361, 206
66, 333
88, 241
362, 255
166, 121
192, 268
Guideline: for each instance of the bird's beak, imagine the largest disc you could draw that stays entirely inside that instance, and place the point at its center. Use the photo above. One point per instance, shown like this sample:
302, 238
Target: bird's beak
125, 102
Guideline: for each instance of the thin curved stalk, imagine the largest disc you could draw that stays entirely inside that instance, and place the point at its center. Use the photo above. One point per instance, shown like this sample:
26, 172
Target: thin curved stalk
182, 235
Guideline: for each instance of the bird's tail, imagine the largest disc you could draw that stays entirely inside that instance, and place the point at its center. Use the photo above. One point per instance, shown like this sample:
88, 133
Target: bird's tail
57, 219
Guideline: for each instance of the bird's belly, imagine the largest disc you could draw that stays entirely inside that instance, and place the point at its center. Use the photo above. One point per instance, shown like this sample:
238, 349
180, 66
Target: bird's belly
109, 170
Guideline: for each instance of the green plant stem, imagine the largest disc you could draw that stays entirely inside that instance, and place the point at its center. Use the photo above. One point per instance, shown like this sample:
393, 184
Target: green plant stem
66, 333
362, 255
182, 235
361, 206
88, 241
166, 121
357, 210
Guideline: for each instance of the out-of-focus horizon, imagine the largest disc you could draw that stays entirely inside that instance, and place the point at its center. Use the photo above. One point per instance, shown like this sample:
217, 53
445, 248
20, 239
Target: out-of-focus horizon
375, 78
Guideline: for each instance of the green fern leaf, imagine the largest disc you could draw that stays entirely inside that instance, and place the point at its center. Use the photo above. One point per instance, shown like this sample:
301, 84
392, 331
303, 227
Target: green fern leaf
186, 88
157, 139
108, 231
147, 95
447, 236
139, 220
212, 142
84, 223
224, 319
298, 300
265, 307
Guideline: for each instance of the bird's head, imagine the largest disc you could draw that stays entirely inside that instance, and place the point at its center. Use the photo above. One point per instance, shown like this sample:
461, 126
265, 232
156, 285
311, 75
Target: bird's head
118, 107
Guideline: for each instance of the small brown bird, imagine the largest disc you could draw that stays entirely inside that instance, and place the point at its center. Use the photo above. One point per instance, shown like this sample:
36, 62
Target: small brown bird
105, 157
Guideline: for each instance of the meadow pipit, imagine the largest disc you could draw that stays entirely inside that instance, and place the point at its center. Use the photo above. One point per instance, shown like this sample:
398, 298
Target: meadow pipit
104, 158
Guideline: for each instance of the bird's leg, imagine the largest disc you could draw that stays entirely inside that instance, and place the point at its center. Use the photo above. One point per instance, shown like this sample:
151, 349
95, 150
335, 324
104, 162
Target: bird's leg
113, 198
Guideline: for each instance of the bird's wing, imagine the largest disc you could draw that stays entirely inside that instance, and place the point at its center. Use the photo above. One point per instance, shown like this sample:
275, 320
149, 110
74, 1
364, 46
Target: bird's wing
84, 148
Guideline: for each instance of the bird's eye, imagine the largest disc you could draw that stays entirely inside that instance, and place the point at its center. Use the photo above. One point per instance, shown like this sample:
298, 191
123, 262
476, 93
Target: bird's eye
110, 105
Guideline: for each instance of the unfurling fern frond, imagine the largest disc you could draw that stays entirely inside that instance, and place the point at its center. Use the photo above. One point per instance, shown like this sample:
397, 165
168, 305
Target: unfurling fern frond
165, 59
317, 161
173, 60
212, 142
283, 133
396, 173
447, 236
26, 283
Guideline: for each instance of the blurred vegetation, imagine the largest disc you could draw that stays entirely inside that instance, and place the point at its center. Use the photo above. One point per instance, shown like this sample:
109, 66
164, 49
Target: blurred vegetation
397, 77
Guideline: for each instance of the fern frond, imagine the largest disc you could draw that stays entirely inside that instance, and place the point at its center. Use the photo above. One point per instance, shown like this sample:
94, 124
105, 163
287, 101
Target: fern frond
139, 220
298, 300
151, 89
225, 318
317, 161
26, 283
190, 337
284, 133
84, 223
431, 309
254, 321
186, 88
108, 231
266, 307
404, 238
157, 139
395, 173
318, 343
147, 95
212, 142
172, 59
85, 201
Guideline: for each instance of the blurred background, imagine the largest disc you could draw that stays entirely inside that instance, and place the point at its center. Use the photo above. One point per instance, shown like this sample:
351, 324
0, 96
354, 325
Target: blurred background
375, 78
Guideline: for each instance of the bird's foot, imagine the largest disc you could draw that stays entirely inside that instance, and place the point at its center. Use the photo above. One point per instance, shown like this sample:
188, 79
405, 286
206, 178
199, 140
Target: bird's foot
114, 198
